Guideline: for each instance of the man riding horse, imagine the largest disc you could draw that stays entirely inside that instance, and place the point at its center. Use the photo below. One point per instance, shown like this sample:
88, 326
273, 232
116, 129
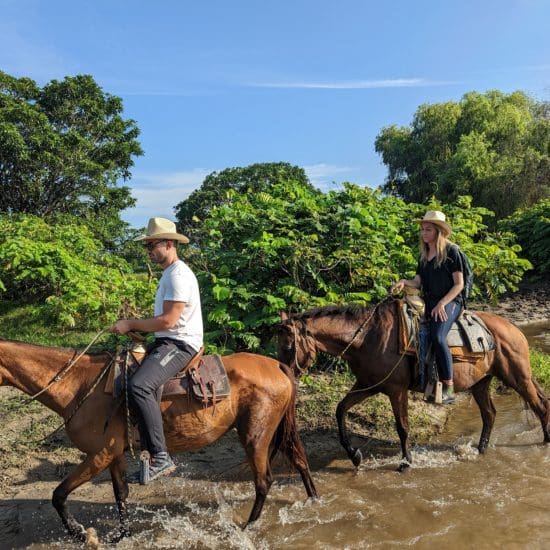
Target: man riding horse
178, 328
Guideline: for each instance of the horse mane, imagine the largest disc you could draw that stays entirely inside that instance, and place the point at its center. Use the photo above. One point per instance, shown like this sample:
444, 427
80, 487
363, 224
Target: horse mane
350, 312
44, 347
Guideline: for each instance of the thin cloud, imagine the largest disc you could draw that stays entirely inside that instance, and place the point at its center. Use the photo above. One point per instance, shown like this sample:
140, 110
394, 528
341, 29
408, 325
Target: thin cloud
352, 84
323, 174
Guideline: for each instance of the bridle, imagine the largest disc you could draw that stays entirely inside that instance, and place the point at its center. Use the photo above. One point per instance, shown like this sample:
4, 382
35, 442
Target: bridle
311, 341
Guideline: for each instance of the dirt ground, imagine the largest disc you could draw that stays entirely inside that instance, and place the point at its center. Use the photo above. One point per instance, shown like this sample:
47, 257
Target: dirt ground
29, 471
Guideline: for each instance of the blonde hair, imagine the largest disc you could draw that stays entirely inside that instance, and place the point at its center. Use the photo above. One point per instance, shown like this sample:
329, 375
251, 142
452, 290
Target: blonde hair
441, 245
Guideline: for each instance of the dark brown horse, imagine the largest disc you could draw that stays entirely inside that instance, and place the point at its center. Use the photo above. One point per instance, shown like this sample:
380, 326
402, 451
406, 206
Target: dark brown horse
261, 407
368, 339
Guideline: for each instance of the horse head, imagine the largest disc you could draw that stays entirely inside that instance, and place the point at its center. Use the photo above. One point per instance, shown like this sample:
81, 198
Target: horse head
295, 346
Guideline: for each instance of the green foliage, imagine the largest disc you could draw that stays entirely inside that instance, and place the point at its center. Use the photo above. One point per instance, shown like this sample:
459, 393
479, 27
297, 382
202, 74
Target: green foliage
256, 178
494, 147
63, 267
63, 148
294, 248
540, 363
532, 229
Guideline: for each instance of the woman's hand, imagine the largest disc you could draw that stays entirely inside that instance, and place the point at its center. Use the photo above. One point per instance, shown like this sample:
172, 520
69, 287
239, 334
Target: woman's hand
397, 287
439, 313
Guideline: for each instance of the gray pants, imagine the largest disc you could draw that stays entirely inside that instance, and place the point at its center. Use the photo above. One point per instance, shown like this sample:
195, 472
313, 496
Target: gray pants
164, 359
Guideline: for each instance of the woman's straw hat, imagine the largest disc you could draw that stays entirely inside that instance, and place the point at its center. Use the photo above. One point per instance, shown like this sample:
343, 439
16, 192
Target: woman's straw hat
437, 218
161, 228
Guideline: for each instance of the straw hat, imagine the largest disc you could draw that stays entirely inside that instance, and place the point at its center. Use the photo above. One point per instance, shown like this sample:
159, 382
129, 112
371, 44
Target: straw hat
161, 228
437, 218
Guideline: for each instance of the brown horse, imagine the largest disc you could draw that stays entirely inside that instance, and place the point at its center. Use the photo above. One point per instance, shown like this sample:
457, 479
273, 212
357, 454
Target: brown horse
261, 407
368, 339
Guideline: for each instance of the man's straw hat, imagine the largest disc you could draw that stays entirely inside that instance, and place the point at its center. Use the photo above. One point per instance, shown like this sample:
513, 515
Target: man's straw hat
437, 218
161, 228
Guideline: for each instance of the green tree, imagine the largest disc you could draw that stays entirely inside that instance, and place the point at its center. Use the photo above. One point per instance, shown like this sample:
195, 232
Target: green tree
250, 179
494, 147
63, 148
532, 229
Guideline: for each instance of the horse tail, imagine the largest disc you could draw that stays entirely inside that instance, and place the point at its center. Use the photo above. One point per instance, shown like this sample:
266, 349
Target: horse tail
286, 437
287, 440
544, 398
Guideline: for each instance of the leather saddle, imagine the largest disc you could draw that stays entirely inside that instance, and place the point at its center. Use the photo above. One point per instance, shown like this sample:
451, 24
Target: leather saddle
204, 377
468, 337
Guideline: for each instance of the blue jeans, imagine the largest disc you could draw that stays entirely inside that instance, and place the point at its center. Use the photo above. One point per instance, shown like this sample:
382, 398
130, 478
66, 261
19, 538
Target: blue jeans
438, 336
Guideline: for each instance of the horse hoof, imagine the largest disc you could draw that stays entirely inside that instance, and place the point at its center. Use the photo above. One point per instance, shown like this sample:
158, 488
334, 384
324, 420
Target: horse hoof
482, 447
356, 458
92, 541
122, 534
78, 532
403, 465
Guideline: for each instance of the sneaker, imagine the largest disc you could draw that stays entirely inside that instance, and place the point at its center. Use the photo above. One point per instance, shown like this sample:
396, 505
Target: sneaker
448, 397
159, 465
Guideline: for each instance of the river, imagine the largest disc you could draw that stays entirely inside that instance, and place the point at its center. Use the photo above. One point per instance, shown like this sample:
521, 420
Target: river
450, 497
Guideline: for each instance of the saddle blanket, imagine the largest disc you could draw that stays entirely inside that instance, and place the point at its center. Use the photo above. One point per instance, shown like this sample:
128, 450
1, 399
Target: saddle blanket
204, 378
468, 335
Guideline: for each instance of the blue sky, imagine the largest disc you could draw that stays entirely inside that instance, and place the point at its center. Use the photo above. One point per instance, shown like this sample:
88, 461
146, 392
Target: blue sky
214, 84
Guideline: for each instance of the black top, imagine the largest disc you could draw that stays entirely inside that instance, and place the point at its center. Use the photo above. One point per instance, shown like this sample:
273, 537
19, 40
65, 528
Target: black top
437, 281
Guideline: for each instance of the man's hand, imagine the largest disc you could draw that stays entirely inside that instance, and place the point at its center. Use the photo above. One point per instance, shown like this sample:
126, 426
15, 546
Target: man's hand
121, 327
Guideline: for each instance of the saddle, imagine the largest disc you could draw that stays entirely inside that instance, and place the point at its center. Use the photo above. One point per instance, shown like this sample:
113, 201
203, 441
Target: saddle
204, 377
468, 339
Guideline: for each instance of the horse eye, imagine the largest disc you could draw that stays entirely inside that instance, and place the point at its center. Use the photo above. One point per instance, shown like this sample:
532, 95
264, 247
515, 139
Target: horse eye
288, 347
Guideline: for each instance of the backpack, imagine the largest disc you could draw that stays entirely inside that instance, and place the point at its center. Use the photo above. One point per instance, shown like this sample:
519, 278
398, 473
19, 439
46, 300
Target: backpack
468, 275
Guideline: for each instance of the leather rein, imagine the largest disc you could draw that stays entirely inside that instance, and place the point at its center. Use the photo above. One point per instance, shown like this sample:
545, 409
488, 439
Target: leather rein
313, 347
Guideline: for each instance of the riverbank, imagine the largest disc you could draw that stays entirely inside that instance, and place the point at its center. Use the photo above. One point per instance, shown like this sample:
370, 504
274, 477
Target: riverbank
30, 469
530, 304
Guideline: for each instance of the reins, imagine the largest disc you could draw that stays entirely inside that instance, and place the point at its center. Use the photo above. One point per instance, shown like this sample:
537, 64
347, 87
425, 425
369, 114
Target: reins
348, 345
61, 374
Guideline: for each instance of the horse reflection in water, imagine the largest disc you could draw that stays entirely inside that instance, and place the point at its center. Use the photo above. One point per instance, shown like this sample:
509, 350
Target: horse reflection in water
368, 339
261, 407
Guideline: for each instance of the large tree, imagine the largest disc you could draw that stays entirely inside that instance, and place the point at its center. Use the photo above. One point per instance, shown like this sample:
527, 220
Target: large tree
63, 148
255, 178
493, 146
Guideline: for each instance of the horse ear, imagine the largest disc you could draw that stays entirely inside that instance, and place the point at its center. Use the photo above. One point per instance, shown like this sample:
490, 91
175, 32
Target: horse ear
283, 315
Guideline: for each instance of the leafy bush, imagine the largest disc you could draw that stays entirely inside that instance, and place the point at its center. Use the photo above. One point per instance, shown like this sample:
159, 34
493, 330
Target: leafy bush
294, 247
540, 363
532, 229
64, 267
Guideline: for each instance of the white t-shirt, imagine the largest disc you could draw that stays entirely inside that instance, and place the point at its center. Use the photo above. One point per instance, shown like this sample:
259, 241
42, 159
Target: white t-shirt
179, 284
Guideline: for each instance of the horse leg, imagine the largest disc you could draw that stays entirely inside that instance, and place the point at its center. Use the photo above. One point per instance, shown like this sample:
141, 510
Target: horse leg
92, 465
256, 443
400, 406
529, 389
354, 396
481, 394
120, 489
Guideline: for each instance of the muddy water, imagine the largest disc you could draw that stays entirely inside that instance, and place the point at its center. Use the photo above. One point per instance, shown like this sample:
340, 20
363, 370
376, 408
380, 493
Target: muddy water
451, 496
